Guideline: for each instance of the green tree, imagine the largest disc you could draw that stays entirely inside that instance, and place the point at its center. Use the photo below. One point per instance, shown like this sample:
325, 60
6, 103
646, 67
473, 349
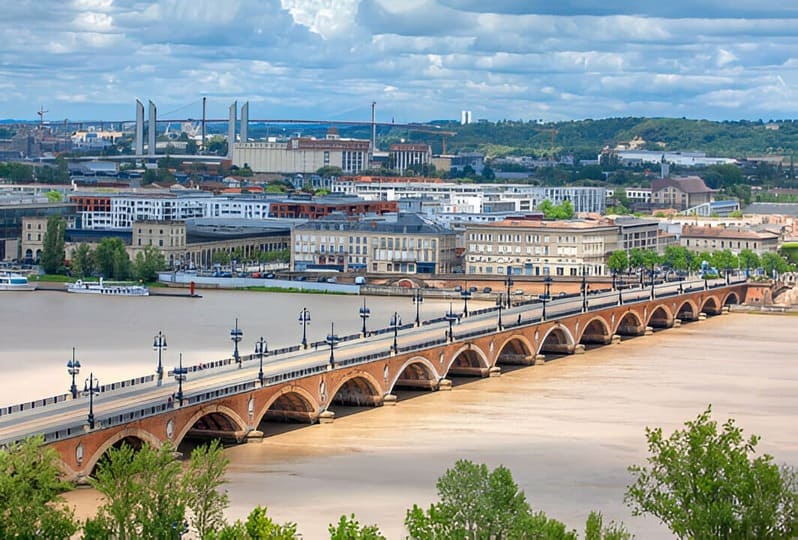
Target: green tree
330, 170
142, 496
773, 261
618, 261
705, 482
54, 196
112, 259
724, 259
221, 257
260, 526
595, 529
748, 259
348, 528
52, 258
201, 482
473, 503
30, 501
82, 262
678, 257
564, 210
637, 258
147, 264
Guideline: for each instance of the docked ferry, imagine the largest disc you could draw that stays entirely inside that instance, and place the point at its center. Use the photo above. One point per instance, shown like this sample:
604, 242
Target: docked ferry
100, 287
10, 281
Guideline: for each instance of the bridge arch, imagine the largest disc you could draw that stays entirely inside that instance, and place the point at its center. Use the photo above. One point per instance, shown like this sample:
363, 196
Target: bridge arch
292, 403
468, 360
421, 373
731, 298
711, 305
630, 324
596, 331
688, 311
515, 349
660, 317
558, 340
359, 389
130, 435
219, 416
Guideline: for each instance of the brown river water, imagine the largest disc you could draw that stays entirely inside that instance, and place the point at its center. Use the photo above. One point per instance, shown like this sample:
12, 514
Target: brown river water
567, 430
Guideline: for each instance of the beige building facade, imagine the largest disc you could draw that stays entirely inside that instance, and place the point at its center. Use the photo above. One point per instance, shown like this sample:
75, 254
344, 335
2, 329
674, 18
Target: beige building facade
410, 245
540, 248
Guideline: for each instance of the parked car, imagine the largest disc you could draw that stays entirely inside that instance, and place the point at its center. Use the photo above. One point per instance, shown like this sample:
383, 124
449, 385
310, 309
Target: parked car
487, 290
519, 291
473, 289
458, 288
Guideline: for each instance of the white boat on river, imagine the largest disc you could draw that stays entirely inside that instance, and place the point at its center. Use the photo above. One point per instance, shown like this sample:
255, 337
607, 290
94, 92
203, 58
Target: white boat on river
109, 289
10, 281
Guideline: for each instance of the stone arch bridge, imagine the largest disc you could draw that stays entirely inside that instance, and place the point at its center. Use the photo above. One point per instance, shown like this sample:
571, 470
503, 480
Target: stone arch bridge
312, 395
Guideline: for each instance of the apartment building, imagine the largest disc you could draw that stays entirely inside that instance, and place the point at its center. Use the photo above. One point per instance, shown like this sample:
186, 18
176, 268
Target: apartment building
400, 244
532, 247
720, 238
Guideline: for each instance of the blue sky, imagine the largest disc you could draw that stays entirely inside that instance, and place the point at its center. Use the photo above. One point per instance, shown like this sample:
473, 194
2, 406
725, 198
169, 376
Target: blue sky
418, 59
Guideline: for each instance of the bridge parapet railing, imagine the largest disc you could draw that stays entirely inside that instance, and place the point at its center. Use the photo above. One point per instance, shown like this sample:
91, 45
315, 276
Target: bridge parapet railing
60, 398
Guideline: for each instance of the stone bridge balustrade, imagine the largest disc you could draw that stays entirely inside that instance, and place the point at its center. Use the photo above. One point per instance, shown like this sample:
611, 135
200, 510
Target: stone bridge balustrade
315, 395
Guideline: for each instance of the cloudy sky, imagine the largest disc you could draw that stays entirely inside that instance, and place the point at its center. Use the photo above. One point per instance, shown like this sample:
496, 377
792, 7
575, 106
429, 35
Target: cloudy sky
418, 59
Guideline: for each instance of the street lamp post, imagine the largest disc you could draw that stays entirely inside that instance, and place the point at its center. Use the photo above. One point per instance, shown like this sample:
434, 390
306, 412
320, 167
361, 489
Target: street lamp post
73, 368
159, 344
418, 300
236, 335
584, 289
653, 295
261, 348
614, 278
508, 282
332, 340
365, 313
728, 271
499, 305
179, 374
304, 320
466, 294
450, 317
395, 323
92, 386
545, 297
641, 277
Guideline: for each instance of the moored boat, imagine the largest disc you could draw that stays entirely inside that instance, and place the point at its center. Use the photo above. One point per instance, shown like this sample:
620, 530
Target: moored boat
108, 289
10, 281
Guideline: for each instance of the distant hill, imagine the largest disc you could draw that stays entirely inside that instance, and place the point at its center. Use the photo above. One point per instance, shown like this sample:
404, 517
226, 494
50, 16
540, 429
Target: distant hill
586, 138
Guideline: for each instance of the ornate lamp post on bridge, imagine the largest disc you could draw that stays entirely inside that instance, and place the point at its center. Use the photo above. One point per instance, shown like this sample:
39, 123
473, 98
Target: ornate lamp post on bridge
508, 283
261, 348
304, 320
728, 272
418, 300
365, 313
653, 294
545, 297
236, 335
641, 277
73, 368
466, 294
450, 317
92, 386
584, 289
499, 305
159, 344
332, 340
395, 323
179, 374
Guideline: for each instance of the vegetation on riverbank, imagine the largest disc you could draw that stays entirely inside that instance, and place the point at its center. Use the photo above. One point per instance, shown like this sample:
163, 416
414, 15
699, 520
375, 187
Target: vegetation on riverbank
703, 481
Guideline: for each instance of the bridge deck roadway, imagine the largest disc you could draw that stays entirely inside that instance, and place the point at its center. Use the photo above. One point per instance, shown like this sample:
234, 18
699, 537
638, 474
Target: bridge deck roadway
73, 413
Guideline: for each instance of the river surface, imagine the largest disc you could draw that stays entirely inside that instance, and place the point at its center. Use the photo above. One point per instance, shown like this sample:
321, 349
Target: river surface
566, 430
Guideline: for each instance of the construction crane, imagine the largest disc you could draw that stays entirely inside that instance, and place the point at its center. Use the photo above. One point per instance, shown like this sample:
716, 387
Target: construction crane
553, 132
435, 131
41, 112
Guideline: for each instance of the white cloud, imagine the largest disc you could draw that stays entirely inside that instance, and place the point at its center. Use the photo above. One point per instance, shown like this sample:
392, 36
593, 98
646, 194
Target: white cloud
420, 59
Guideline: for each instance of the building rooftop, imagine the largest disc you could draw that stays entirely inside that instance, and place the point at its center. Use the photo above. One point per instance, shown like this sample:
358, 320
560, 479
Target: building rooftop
722, 232
563, 224
688, 184
390, 223
782, 209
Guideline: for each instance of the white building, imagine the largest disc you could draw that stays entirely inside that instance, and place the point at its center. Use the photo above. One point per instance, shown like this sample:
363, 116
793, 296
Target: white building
303, 155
